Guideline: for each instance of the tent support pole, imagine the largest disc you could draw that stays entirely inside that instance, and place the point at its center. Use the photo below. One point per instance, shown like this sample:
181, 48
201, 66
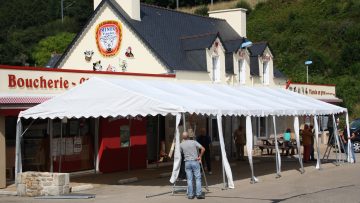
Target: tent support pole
96, 143
129, 147
225, 162
350, 157
223, 174
19, 135
177, 153
297, 136
249, 147
316, 128
18, 148
223, 170
61, 149
277, 154
184, 122
158, 141
51, 135
231, 136
337, 140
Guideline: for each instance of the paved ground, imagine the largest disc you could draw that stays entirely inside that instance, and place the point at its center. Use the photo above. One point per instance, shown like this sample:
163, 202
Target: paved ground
331, 184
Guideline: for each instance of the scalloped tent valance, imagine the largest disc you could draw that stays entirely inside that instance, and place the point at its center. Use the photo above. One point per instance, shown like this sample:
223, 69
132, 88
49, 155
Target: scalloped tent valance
103, 97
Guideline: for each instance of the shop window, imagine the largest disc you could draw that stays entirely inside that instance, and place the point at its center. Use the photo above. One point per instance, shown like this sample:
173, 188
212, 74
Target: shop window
214, 130
35, 146
125, 136
73, 145
242, 71
10, 135
216, 69
261, 127
266, 73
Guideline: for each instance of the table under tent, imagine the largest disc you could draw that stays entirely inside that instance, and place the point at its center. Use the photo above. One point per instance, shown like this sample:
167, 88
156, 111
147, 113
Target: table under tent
104, 97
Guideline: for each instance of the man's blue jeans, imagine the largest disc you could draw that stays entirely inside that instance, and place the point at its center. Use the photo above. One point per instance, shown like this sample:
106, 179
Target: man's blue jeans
192, 168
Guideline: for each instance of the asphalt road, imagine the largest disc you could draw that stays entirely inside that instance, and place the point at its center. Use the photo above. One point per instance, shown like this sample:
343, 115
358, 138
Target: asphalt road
331, 184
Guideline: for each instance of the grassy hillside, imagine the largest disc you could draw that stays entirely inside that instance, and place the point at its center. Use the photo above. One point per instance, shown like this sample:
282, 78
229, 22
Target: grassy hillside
326, 32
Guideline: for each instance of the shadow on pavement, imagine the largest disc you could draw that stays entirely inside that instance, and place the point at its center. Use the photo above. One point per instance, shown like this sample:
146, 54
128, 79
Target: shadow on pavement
264, 165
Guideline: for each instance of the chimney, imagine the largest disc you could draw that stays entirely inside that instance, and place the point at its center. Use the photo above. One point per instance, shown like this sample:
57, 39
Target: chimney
131, 7
235, 17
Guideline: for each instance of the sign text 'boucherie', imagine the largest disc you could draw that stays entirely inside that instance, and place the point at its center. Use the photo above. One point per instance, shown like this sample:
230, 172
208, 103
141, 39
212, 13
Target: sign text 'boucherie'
41, 82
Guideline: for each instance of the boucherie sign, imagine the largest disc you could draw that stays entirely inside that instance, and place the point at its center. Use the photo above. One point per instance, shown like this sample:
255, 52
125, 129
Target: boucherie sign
31, 80
41, 82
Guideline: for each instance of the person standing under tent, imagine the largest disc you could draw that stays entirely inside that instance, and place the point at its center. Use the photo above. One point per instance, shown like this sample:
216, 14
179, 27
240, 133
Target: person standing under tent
306, 139
287, 141
330, 128
240, 141
345, 139
312, 150
192, 159
205, 140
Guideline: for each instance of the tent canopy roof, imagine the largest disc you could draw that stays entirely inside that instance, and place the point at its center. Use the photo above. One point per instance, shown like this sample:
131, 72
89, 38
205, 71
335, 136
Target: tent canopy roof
104, 97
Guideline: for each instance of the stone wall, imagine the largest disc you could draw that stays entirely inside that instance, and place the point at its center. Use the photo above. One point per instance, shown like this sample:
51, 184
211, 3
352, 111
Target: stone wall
42, 184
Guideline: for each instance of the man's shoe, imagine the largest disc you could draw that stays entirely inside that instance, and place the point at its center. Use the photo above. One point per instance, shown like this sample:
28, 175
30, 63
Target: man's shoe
200, 197
191, 197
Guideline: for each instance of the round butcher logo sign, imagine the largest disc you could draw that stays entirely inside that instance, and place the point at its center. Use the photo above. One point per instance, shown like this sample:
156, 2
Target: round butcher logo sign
108, 37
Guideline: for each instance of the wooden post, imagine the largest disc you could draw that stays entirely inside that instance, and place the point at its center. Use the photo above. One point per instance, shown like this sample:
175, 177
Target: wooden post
2, 153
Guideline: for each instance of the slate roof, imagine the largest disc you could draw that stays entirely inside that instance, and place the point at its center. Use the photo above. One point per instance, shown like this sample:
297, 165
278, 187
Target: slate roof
178, 39
278, 74
171, 35
53, 60
256, 50
254, 66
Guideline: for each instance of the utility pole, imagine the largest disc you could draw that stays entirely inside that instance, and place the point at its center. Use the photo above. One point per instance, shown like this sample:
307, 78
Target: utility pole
177, 4
62, 11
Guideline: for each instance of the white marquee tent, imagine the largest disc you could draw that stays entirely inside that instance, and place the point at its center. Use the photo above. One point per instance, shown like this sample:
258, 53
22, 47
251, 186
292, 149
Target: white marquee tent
100, 97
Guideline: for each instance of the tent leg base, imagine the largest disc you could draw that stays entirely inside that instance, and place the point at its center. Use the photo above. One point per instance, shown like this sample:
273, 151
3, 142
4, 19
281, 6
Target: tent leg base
253, 180
278, 176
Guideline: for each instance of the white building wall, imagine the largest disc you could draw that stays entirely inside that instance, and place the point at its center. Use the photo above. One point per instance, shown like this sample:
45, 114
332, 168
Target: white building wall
144, 60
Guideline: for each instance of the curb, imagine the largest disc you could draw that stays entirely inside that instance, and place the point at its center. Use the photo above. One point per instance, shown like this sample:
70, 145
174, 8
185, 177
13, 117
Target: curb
128, 180
165, 175
81, 188
9, 193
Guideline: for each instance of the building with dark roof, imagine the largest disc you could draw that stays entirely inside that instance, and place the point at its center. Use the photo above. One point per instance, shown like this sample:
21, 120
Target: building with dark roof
167, 41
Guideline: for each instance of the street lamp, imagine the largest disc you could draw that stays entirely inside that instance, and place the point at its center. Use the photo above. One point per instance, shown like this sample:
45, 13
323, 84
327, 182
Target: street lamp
307, 63
246, 44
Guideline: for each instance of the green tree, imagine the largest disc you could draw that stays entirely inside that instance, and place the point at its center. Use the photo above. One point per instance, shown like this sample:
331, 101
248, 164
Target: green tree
203, 11
51, 45
244, 4
326, 32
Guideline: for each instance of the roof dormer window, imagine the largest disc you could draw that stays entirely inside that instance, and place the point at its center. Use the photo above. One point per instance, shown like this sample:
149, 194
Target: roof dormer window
242, 71
216, 69
266, 71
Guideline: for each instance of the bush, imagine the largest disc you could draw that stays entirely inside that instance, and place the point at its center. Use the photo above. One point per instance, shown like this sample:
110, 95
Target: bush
52, 44
244, 4
203, 11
